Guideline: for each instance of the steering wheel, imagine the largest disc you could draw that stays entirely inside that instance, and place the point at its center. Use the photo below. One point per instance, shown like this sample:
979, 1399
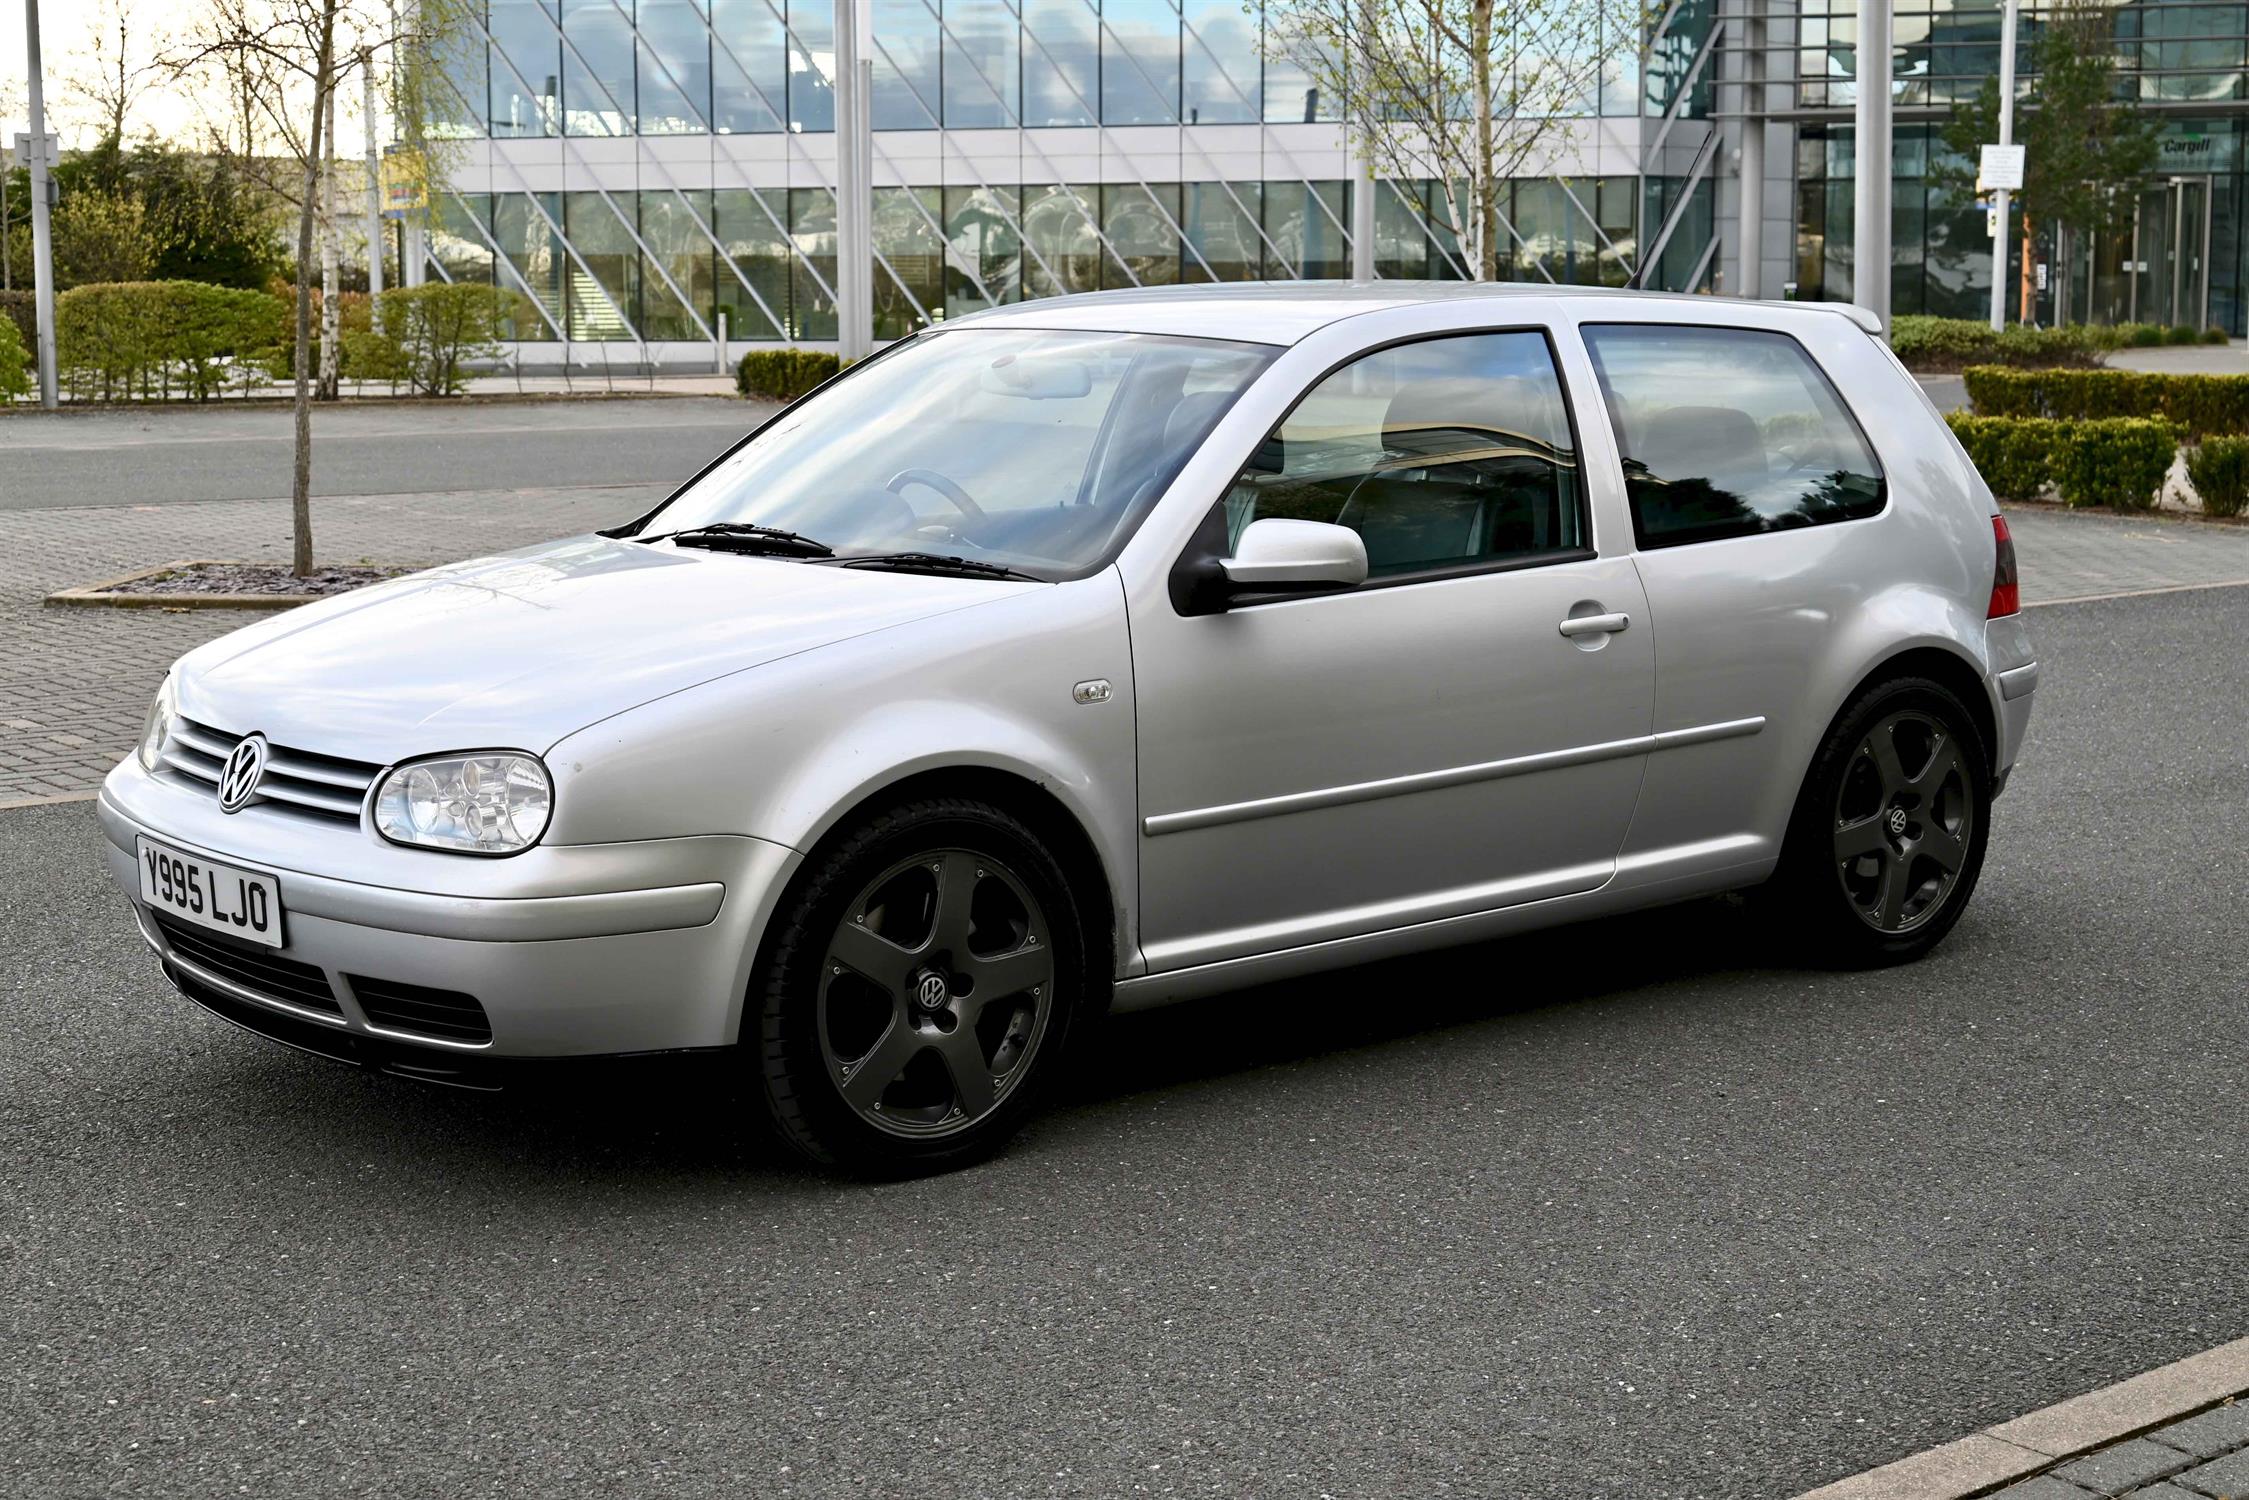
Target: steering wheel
931, 479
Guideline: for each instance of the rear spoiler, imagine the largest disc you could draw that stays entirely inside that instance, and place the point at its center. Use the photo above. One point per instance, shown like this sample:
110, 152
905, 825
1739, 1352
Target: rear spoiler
1864, 317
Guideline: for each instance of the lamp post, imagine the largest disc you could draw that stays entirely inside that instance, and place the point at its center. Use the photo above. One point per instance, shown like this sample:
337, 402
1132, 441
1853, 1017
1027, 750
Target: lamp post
1870, 224
2006, 138
42, 237
855, 197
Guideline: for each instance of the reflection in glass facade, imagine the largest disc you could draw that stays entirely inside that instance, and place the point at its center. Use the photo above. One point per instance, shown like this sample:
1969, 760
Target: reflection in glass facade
646, 171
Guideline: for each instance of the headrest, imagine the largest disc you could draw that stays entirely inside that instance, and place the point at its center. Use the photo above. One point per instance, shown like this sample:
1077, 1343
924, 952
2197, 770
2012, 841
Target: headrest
1697, 442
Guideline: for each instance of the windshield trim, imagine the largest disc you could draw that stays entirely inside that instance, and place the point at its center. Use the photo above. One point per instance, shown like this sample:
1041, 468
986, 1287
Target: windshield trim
1127, 527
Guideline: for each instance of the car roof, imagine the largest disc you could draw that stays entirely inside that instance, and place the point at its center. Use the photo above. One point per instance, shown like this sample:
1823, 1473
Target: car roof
1284, 312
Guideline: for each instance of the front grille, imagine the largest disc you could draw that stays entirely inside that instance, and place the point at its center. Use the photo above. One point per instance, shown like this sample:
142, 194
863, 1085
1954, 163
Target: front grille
448, 1014
251, 966
299, 781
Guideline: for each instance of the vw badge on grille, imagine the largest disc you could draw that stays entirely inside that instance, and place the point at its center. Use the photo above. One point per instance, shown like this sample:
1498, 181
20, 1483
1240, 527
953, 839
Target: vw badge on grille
238, 779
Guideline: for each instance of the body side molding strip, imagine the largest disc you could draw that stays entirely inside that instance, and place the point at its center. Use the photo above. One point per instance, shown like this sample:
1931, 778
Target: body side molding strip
1430, 781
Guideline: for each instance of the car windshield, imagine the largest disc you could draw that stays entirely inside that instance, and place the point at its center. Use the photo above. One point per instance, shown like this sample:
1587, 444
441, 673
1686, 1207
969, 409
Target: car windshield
1036, 450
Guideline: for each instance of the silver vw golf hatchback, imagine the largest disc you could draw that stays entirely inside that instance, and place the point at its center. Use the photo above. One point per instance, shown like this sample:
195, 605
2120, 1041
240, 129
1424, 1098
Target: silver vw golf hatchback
1105, 651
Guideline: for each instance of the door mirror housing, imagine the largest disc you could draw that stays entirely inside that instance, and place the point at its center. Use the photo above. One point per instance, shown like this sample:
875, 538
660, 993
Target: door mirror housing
1276, 556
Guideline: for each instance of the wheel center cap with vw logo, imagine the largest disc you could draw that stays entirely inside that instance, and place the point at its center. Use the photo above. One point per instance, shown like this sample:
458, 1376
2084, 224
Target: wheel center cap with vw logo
931, 990
238, 779
1898, 821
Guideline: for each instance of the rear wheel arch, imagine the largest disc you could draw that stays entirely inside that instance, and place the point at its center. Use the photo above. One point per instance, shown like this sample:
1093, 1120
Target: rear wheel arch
1949, 669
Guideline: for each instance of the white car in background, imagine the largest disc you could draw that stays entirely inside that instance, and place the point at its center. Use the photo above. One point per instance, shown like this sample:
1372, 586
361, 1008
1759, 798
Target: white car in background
1104, 651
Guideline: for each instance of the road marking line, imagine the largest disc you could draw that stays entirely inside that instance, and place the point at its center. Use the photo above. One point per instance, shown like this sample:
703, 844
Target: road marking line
2006, 1451
2169, 588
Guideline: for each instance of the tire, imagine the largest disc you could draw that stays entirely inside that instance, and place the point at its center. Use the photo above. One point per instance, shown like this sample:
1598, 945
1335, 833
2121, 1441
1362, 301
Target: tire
919, 989
1883, 852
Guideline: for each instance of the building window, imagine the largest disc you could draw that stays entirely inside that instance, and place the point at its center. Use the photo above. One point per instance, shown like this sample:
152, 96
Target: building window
597, 69
983, 68
526, 68
675, 68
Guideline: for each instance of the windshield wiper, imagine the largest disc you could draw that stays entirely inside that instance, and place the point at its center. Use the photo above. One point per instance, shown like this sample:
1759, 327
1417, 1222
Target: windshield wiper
930, 562
745, 536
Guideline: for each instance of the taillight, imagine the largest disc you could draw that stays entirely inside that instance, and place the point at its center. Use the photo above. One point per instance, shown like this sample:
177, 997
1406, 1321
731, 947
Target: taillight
2006, 582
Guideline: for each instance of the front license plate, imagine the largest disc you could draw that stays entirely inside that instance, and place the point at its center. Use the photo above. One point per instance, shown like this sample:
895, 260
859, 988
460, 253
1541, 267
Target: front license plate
209, 894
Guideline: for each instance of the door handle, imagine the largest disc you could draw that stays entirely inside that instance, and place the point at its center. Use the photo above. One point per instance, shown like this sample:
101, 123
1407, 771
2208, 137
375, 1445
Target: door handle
1578, 625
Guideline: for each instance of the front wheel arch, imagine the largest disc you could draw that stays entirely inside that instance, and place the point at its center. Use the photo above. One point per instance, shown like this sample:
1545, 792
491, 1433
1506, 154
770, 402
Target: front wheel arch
1026, 799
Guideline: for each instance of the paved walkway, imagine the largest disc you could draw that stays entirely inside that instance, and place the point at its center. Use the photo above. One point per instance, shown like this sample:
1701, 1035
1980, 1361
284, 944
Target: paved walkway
2200, 1457
75, 683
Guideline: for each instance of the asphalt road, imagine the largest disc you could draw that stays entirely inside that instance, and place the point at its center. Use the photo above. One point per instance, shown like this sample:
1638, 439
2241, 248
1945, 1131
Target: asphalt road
1623, 1210
178, 453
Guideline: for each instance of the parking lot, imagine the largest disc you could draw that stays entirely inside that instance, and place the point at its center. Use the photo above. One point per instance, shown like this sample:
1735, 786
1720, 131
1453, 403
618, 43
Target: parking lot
1621, 1210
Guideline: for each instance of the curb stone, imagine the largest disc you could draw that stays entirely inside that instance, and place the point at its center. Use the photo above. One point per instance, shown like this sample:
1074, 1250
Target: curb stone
2035, 1443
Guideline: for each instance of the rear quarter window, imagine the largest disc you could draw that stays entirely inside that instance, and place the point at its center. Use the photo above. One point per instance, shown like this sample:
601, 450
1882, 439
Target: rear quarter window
1729, 432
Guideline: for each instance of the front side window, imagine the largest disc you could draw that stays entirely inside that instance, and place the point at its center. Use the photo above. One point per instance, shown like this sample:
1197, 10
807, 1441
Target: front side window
1445, 453
1728, 432
1037, 450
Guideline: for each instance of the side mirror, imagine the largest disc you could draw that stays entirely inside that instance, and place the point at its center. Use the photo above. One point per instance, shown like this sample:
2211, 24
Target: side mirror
1295, 557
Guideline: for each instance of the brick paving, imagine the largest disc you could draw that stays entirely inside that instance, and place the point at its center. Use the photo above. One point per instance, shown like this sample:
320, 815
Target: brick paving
2204, 1457
75, 683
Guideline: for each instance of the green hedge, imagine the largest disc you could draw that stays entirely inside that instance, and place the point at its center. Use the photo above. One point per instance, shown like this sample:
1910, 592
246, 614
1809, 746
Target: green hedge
2200, 405
2219, 471
2116, 461
122, 339
783, 374
15, 362
1939, 344
1947, 344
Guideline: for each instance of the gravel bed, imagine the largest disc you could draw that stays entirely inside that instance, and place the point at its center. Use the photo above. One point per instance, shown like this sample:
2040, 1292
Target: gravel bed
256, 578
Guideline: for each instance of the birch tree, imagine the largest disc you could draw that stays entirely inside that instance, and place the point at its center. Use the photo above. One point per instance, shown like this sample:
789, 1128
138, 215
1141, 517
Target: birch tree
1466, 94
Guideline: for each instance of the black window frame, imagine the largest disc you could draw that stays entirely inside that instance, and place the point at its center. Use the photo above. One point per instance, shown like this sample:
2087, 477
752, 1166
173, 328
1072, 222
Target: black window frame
1205, 548
1640, 538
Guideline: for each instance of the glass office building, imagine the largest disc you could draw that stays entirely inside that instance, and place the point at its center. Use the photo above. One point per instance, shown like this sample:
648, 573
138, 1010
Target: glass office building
650, 172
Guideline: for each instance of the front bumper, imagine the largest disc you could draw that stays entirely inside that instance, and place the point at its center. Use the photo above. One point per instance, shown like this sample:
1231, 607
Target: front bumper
568, 951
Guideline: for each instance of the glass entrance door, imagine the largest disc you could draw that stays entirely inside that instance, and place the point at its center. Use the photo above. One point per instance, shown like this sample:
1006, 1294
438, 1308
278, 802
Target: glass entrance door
2156, 269
2173, 258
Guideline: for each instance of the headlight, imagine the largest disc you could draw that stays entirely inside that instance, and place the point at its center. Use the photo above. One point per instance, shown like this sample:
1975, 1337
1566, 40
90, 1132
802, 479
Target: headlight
496, 802
158, 728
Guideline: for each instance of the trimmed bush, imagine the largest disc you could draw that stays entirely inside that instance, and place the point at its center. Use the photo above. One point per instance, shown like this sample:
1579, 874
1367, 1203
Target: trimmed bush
15, 363
122, 339
2120, 463
783, 374
1945, 344
2012, 453
2219, 471
2200, 405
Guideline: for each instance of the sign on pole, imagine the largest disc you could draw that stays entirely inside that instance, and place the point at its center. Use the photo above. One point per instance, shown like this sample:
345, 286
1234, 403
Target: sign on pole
51, 158
2000, 167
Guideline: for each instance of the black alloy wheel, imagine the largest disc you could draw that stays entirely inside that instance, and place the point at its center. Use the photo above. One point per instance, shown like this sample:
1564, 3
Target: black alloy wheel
924, 979
1889, 831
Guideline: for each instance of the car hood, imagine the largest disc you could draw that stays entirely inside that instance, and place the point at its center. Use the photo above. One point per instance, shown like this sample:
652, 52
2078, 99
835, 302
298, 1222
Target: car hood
519, 650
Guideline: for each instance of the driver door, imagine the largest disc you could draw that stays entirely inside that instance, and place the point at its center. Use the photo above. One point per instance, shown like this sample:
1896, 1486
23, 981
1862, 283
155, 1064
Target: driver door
1429, 744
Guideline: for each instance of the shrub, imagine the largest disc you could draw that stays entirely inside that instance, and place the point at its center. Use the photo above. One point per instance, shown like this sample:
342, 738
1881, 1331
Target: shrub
15, 363
2117, 461
121, 339
429, 333
783, 374
22, 309
2219, 470
2216, 336
2182, 333
2199, 404
2011, 453
2121, 462
1943, 344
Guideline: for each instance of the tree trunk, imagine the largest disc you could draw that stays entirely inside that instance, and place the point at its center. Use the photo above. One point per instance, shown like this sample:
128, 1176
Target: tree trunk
300, 489
331, 257
2029, 277
1486, 185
